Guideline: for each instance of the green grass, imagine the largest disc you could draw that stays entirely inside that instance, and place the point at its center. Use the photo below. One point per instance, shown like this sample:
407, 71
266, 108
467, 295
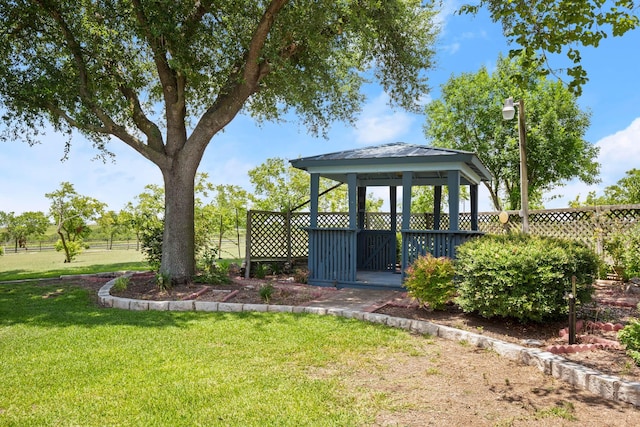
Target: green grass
30, 265
66, 362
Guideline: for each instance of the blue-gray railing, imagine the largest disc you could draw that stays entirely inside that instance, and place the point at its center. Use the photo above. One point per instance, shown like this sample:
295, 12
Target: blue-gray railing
438, 243
332, 256
335, 255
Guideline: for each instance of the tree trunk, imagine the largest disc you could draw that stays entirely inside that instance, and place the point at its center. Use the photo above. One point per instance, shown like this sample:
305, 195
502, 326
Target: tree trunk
178, 241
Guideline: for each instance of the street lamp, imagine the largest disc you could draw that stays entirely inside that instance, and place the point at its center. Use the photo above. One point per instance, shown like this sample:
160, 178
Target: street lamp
507, 113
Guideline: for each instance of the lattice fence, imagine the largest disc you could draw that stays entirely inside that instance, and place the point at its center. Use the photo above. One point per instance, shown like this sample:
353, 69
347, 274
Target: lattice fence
283, 236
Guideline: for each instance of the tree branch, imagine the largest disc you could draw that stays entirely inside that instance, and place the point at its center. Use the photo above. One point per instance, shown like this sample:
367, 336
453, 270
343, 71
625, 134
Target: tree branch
150, 129
85, 93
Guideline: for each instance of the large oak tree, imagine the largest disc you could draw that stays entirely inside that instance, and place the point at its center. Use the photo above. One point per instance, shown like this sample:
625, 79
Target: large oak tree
165, 76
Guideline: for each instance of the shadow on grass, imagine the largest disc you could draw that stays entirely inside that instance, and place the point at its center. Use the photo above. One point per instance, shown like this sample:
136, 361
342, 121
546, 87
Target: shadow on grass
68, 305
22, 274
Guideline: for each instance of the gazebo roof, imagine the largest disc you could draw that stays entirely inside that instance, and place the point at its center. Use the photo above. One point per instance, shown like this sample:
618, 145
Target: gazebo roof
383, 165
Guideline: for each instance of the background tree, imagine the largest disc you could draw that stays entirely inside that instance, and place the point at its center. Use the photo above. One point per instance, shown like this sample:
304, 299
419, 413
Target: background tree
146, 212
625, 192
19, 228
165, 77
422, 198
113, 224
230, 207
468, 117
280, 187
545, 27
71, 213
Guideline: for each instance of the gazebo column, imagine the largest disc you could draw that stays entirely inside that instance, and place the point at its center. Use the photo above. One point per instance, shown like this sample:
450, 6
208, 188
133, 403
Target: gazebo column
437, 203
453, 185
407, 180
393, 203
473, 193
362, 207
312, 261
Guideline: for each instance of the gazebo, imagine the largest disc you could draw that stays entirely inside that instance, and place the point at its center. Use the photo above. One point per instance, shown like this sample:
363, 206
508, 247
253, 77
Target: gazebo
360, 257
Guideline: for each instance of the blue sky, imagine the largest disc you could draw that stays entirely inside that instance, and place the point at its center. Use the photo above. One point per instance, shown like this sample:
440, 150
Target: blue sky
465, 44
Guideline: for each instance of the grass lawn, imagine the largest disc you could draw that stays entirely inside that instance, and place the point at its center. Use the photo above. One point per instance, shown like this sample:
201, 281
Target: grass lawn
66, 362
28, 265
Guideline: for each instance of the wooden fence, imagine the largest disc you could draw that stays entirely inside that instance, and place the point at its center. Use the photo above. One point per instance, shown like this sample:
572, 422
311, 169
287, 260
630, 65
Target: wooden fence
276, 236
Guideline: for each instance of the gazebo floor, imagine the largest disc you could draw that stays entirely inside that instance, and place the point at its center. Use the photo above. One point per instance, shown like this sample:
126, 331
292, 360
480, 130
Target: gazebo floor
379, 279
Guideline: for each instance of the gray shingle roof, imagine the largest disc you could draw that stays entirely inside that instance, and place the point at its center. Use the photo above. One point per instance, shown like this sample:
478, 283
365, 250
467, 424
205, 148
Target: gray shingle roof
380, 165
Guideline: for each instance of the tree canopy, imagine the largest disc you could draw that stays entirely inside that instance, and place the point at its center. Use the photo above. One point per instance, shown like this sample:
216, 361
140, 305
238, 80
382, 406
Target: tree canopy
543, 28
278, 186
624, 192
166, 76
468, 117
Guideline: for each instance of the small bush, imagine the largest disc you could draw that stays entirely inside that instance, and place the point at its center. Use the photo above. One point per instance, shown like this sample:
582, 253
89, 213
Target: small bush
266, 292
213, 270
631, 252
121, 283
301, 275
523, 276
430, 281
151, 241
630, 337
262, 270
163, 282
73, 248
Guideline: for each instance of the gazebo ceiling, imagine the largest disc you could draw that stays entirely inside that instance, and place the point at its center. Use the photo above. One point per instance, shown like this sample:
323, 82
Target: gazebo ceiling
383, 165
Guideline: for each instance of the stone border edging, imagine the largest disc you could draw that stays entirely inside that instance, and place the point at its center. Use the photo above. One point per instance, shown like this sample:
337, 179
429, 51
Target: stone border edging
606, 386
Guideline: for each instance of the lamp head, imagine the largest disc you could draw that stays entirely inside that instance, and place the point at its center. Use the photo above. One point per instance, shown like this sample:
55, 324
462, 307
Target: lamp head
508, 111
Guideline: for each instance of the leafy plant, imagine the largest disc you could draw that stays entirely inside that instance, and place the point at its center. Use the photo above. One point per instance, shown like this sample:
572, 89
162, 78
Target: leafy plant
624, 249
151, 239
523, 276
213, 270
266, 292
121, 283
261, 270
301, 275
163, 281
630, 337
72, 249
430, 281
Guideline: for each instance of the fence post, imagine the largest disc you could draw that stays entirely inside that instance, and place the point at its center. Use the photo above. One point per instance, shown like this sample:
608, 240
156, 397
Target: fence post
288, 225
247, 255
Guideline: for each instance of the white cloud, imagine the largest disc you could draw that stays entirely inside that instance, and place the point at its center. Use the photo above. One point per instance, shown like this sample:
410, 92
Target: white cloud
379, 123
618, 153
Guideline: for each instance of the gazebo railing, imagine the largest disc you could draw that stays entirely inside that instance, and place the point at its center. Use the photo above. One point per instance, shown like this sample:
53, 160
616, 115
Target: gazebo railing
376, 250
438, 243
332, 255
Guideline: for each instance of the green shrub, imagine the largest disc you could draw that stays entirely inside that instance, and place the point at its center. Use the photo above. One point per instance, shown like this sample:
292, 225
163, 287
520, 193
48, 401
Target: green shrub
262, 270
163, 282
430, 281
266, 292
212, 269
631, 252
151, 241
73, 249
630, 337
523, 276
121, 283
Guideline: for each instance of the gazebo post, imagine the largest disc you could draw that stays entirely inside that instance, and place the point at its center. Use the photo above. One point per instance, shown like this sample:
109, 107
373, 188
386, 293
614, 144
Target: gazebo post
453, 185
473, 193
437, 203
407, 180
313, 223
393, 204
362, 207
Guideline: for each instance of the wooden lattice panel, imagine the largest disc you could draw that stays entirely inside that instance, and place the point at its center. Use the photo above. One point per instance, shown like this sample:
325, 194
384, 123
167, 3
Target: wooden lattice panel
275, 235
